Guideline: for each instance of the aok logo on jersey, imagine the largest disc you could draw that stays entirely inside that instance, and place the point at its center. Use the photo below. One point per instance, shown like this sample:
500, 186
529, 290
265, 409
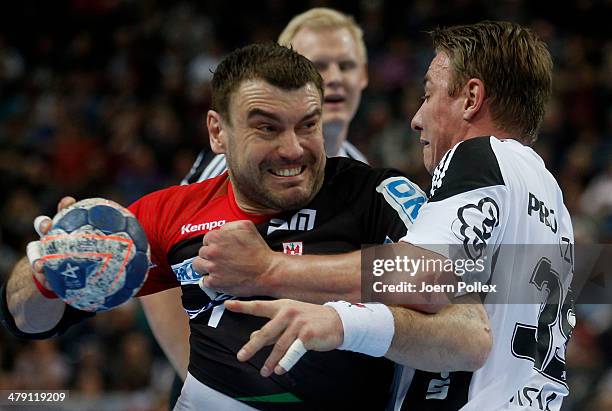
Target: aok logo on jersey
185, 273
405, 197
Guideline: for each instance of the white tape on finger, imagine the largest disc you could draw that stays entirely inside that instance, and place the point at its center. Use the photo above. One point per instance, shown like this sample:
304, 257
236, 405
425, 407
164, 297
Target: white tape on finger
212, 294
38, 221
33, 251
293, 355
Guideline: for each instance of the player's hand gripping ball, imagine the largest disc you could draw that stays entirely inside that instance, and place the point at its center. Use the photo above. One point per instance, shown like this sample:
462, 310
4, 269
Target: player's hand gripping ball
96, 255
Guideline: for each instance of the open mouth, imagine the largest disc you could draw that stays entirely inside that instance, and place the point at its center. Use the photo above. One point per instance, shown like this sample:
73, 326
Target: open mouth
287, 172
334, 98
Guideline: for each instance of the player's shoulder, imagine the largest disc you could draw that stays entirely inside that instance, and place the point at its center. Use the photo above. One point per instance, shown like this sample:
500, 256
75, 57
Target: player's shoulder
470, 165
179, 195
354, 171
350, 180
358, 177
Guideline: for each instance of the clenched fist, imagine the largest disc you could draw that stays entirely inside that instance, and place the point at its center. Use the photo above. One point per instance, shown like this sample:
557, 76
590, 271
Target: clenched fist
237, 260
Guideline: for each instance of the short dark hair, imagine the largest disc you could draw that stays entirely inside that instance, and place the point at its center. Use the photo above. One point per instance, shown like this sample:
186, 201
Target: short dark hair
279, 66
514, 65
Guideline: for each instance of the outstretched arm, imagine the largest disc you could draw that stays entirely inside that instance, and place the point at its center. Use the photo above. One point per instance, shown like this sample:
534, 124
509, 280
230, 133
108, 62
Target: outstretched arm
237, 261
457, 338
32, 312
30, 309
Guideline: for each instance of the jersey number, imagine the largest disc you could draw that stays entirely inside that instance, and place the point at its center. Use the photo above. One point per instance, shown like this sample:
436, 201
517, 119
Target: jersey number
536, 343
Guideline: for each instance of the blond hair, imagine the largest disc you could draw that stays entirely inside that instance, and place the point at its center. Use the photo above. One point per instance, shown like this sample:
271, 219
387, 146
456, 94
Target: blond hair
323, 18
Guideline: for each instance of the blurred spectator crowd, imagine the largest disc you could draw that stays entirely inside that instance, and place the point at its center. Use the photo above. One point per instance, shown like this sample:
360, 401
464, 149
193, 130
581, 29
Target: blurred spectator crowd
107, 98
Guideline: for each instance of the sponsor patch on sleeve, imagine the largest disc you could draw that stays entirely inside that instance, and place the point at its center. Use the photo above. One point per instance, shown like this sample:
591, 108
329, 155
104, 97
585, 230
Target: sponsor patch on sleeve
475, 224
404, 196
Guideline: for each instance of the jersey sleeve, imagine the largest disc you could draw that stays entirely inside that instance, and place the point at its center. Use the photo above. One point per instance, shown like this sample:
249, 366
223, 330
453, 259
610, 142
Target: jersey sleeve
464, 217
160, 276
394, 206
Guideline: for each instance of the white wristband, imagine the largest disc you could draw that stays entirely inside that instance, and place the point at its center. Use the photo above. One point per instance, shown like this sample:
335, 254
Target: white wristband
368, 328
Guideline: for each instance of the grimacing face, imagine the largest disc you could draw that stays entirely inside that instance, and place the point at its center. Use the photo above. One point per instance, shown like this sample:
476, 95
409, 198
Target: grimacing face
335, 53
274, 146
439, 119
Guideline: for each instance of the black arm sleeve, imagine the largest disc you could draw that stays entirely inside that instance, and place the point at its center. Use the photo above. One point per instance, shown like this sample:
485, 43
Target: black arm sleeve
71, 317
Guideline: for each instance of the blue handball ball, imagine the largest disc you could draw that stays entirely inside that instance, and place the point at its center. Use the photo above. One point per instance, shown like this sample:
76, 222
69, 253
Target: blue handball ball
96, 255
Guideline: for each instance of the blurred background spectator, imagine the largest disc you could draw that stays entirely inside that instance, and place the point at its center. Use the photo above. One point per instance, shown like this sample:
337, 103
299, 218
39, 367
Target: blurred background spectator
107, 98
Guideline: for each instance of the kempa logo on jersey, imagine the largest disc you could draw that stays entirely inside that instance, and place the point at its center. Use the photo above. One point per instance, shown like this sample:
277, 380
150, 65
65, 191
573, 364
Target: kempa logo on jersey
303, 220
210, 225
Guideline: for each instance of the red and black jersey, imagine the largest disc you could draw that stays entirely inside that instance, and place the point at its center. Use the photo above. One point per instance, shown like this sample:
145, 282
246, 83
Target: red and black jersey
355, 206
178, 217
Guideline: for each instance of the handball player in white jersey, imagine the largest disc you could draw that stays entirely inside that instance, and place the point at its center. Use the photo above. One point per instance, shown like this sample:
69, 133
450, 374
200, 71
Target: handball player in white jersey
491, 197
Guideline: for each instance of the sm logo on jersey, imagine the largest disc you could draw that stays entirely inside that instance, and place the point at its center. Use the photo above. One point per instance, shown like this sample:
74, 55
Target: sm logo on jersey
303, 220
405, 197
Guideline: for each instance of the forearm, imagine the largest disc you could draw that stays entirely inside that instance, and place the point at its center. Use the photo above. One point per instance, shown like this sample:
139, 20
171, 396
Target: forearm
170, 326
31, 311
457, 338
315, 278
322, 278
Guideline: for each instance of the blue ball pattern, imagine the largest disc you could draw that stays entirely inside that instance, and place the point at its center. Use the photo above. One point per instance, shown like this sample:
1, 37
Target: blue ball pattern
96, 255
74, 219
107, 219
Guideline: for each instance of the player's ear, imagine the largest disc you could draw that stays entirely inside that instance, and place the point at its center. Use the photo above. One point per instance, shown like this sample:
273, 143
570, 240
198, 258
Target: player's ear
474, 93
364, 76
216, 132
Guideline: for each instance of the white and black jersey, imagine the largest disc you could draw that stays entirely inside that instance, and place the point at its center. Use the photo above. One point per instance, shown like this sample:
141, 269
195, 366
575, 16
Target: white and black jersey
209, 164
494, 199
